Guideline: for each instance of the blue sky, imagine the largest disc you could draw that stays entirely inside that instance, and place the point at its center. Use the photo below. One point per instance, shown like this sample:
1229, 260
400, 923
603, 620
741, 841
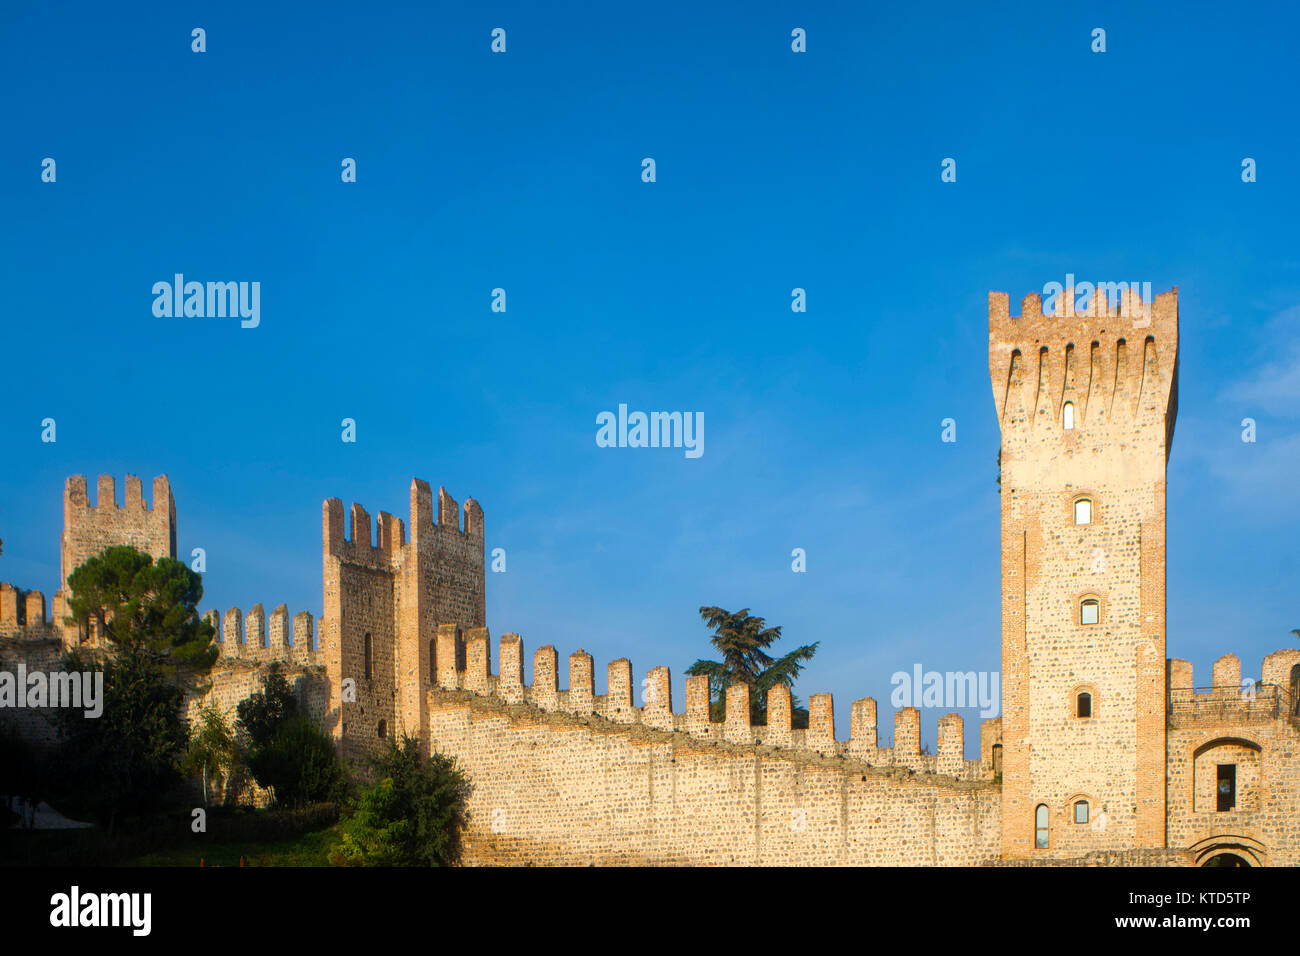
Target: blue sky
775, 170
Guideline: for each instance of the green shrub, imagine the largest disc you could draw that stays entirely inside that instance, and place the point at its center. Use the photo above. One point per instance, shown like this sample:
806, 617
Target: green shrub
413, 815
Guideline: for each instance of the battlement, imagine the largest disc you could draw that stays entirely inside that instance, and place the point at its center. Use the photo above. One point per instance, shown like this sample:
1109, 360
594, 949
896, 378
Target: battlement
1276, 695
76, 496
358, 545
23, 615
88, 529
251, 637
1109, 365
618, 707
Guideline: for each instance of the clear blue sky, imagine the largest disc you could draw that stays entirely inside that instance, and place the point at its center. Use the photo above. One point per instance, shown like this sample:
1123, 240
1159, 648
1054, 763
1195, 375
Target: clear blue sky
775, 170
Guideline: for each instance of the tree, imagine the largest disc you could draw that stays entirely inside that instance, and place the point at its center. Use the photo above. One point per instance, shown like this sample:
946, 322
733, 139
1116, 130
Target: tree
298, 763
743, 641
260, 715
413, 815
212, 748
128, 759
148, 607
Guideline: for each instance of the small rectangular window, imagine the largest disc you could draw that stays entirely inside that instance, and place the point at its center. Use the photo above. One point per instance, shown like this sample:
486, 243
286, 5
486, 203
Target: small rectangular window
1081, 812
1083, 511
1227, 787
1089, 612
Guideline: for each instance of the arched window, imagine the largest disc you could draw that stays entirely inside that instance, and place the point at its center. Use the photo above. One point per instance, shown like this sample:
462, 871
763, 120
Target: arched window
1083, 705
1081, 811
1083, 511
382, 729
367, 654
433, 662
1040, 827
1090, 611
1067, 416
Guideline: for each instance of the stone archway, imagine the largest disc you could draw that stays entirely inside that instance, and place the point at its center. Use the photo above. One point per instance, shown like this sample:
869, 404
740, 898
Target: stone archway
1230, 850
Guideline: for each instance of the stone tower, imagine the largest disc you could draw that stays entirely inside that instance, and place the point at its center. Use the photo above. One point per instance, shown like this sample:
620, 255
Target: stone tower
1086, 403
395, 611
90, 529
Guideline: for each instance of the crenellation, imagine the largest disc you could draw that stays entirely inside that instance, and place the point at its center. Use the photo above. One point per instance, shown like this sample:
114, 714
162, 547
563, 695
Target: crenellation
618, 701
862, 728
658, 703
255, 634
950, 751
511, 681
779, 730
1227, 674
699, 722
907, 738
546, 666
736, 728
582, 693
821, 724
232, 634
478, 657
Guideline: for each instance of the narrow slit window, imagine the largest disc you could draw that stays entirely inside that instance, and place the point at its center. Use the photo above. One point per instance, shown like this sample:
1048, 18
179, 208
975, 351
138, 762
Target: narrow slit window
1083, 511
1227, 787
1040, 827
367, 655
1067, 416
1090, 611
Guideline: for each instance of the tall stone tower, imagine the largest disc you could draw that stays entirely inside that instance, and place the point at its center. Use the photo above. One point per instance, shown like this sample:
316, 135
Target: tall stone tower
1086, 402
396, 612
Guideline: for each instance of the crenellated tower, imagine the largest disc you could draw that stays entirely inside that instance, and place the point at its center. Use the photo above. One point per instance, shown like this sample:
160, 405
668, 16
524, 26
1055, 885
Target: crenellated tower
1086, 401
394, 609
89, 529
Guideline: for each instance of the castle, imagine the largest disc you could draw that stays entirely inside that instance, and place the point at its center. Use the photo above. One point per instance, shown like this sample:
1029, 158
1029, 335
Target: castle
1106, 751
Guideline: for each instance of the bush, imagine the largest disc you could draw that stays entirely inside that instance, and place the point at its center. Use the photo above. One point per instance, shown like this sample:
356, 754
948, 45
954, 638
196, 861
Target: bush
412, 816
298, 763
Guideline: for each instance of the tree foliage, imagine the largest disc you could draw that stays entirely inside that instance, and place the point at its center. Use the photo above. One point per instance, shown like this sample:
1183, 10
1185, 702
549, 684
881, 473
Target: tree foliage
298, 763
147, 607
259, 715
413, 815
212, 751
128, 759
743, 641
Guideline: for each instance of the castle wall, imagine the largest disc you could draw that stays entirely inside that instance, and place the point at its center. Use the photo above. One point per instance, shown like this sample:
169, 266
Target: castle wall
568, 777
